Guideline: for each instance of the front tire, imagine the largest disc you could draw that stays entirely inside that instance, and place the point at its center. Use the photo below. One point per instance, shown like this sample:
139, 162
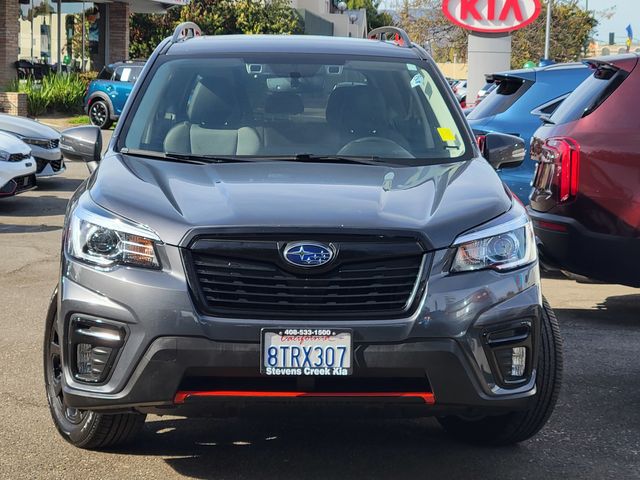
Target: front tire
518, 426
100, 115
82, 428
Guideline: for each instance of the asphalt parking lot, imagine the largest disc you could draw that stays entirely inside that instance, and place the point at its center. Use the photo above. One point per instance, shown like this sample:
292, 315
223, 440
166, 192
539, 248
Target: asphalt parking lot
593, 434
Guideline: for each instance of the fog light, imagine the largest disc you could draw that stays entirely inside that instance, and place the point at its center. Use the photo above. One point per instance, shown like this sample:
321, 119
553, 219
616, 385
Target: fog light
518, 361
509, 350
91, 362
512, 363
95, 345
84, 358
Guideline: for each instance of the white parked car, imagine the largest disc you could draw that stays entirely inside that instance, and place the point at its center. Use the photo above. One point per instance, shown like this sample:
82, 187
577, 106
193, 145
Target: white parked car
17, 166
43, 140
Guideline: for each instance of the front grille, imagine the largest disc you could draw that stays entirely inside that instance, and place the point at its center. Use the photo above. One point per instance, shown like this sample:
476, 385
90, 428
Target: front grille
258, 284
27, 182
41, 164
18, 184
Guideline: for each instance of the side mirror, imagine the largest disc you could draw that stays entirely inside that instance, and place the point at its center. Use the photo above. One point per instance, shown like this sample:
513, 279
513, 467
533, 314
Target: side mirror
502, 150
82, 143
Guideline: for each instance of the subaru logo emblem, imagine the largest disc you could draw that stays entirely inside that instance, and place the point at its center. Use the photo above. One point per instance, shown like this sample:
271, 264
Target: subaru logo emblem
307, 254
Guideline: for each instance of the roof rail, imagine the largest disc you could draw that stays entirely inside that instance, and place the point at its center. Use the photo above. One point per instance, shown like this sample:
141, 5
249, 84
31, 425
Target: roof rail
184, 31
381, 33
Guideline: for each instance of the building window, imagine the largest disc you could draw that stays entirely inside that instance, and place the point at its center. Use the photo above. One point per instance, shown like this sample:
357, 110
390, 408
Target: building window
38, 38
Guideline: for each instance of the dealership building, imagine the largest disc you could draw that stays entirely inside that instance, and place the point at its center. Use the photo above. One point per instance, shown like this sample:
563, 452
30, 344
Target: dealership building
73, 33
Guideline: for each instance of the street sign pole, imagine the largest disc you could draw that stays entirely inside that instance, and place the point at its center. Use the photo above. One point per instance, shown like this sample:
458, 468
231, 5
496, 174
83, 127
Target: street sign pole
547, 36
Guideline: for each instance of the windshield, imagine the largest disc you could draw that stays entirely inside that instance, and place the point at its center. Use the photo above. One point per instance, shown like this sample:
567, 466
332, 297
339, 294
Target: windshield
589, 95
331, 106
508, 91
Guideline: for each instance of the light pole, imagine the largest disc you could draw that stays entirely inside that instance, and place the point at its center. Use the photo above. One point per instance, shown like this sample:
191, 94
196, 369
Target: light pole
547, 37
82, 62
59, 68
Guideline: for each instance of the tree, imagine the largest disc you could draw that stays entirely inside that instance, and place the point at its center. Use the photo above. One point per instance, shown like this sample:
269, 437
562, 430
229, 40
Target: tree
426, 25
572, 27
265, 16
375, 18
215, 17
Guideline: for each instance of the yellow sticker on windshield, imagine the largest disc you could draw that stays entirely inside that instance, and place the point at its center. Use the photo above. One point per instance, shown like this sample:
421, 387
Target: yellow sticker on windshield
446, 134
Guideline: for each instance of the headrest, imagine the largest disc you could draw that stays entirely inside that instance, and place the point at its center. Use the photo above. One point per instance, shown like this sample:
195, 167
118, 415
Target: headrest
356, 109
213, 103
284, 103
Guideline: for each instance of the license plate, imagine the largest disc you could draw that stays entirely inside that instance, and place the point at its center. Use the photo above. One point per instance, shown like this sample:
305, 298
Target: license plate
307, 352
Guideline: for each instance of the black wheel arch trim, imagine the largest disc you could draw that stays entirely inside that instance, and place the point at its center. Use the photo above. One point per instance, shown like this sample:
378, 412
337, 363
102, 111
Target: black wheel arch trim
105, 98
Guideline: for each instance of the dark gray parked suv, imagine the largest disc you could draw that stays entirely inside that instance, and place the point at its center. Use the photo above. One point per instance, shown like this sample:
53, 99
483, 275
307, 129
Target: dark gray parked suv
303, 222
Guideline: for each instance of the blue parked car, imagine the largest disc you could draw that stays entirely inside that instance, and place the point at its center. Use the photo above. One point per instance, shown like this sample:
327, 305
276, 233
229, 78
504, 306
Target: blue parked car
516, 107
107, 94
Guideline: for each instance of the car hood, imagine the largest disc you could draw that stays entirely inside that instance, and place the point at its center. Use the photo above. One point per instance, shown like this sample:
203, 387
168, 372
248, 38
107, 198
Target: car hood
12, 144
441, 201
26, 127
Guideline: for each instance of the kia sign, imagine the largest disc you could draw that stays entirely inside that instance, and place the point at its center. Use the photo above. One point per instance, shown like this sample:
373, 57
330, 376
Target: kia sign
491, 16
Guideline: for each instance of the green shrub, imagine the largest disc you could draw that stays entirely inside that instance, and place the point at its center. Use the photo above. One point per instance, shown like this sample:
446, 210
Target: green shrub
61, 93
86, 77
64, 93
215, 17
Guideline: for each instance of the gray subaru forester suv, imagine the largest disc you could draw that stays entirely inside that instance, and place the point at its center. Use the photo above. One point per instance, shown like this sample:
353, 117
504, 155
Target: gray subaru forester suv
297, 224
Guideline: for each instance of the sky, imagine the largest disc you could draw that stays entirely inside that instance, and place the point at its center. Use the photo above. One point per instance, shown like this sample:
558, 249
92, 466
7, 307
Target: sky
626, 12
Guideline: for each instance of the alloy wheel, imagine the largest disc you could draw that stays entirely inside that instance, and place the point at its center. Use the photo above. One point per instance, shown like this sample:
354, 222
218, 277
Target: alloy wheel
98, 114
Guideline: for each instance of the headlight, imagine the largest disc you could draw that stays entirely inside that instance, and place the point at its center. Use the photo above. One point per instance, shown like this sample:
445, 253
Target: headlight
36, 142
4, 156
109, 241
502, 250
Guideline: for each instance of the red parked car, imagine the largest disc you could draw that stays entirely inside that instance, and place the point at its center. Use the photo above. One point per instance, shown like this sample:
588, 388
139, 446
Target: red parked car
585, 202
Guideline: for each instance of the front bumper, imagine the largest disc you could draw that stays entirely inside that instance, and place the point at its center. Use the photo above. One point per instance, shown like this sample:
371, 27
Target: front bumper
49, 161
169, 345
565, 244
17, 177
159, 381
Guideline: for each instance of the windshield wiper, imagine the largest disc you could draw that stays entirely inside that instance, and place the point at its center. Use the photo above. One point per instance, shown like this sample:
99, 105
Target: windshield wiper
208, 158
200, 159
134, 152
195, 159
307, 157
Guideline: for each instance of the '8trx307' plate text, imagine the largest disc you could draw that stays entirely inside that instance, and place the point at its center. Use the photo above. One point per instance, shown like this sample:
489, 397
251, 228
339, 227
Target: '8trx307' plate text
301, 351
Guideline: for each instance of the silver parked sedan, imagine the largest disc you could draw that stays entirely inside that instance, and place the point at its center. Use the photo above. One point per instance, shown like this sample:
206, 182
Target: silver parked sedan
43, 140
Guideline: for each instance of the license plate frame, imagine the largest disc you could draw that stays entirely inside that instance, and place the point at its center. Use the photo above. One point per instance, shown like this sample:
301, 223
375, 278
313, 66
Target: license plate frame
309, 338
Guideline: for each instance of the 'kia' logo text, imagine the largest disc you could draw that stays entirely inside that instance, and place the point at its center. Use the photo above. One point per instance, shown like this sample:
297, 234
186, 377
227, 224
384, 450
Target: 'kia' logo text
493, 16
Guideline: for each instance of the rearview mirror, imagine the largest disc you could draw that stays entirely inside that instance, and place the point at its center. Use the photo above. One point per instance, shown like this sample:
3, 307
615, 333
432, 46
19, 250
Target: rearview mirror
82, 143
502, 150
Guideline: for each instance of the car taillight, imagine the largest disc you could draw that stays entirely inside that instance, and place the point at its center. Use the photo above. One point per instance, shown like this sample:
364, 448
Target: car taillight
561, 155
